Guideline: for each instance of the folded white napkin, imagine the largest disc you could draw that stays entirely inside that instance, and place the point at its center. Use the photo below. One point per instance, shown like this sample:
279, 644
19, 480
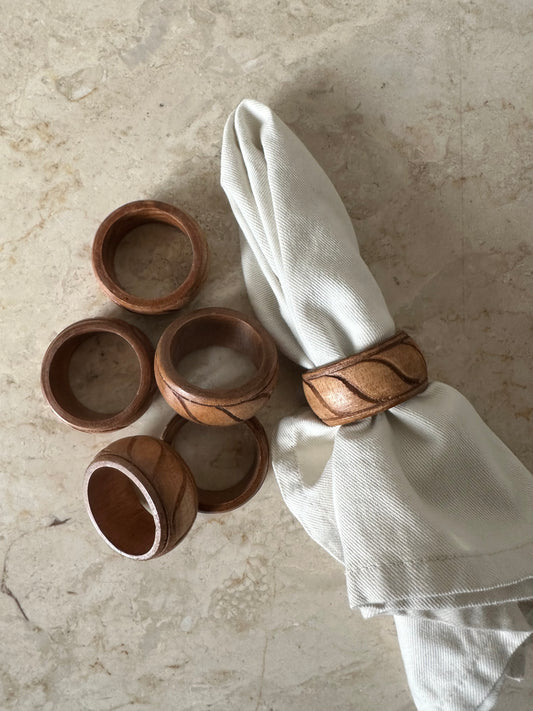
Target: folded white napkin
430, 513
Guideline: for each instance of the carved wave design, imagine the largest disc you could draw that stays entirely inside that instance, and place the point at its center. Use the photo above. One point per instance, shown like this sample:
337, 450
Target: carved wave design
207, 413
360, 386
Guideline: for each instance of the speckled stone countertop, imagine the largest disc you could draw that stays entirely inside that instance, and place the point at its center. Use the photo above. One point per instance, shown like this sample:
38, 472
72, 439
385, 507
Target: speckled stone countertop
422, 115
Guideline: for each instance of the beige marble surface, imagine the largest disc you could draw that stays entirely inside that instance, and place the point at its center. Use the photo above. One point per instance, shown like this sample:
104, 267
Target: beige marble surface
421, 112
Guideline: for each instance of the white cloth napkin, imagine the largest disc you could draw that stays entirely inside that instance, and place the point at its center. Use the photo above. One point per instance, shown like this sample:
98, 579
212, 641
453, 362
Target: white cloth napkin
429, 512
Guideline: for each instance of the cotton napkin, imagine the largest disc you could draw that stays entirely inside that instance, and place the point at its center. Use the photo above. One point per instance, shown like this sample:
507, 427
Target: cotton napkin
429, 512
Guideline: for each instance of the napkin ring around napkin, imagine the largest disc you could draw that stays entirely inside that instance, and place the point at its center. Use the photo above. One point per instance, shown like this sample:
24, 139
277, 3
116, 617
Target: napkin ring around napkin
365, 384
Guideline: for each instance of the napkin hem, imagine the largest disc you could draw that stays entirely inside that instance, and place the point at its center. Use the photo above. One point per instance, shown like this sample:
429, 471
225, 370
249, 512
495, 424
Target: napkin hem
438, 576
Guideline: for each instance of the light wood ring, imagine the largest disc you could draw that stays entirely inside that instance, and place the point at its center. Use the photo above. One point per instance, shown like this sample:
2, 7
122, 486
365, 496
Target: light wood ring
220, 327
218, 501
122, 221
365, 384
140, 496
55, 375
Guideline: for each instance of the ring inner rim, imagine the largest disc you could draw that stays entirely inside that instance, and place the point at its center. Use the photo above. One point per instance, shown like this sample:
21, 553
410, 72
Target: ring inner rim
138, 481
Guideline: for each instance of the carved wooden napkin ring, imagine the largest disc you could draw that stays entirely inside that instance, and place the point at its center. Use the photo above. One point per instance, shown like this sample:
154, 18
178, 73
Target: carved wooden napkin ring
122, 221
55, 375
216, 327
367, 383
217, 501
140, 496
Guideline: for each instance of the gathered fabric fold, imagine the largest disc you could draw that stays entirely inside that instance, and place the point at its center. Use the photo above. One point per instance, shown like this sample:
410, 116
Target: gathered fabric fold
429, 512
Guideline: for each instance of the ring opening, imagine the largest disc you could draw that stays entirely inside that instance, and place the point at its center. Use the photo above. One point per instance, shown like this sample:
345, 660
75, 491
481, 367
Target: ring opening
150, 259
104, 373
219, 458
95, 375
216, 367
121, 511
227, 473
222, 352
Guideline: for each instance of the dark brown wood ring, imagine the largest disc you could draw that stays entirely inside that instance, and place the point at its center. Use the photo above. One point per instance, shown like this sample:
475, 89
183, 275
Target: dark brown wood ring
123, 220
55, 375
365, 384
220, 327
140, 496
218, 501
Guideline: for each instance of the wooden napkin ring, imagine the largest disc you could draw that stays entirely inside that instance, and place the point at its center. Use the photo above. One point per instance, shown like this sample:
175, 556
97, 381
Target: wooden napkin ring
216, 327
367, 383
122, 221
55, 375
218, 501
140, 496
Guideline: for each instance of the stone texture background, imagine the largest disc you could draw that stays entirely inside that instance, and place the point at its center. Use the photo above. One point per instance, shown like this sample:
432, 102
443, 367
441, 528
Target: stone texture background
421, 112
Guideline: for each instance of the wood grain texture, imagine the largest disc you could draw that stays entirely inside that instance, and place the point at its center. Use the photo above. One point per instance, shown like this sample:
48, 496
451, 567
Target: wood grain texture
140, 496
122, 221
55, 375
218, 501
220, 327
367, 383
